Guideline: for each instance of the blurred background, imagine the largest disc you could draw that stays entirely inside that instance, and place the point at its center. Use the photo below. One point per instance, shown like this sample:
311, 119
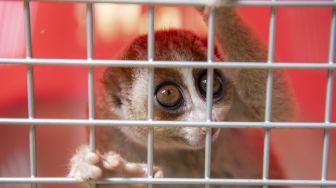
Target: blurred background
59, 31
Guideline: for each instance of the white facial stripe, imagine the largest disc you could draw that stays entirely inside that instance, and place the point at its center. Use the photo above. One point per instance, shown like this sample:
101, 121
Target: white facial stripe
198, 106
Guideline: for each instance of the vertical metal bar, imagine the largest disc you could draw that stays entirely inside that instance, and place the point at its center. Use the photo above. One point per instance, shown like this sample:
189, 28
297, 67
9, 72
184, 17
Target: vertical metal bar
89, 51
30, 93
269, 86
328, 108
89, 39
150, 138
208, 137
28, 36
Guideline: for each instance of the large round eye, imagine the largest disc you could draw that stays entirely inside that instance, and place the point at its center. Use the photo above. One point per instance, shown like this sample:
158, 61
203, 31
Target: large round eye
218, 91
169, 96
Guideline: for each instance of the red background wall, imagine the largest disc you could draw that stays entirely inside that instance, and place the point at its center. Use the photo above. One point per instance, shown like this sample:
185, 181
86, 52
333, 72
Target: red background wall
302, 35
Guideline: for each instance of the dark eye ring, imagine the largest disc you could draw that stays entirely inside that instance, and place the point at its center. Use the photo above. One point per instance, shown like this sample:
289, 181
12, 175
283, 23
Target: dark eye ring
218, 85
169, 96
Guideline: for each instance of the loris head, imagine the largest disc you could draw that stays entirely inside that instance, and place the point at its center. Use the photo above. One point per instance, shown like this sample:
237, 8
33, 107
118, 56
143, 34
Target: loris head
179, 94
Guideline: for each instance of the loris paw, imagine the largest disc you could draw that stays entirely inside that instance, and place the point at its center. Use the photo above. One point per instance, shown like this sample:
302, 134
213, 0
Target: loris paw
119, 167
84, 165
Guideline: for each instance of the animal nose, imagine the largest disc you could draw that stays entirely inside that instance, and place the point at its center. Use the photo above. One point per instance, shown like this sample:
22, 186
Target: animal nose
203, 131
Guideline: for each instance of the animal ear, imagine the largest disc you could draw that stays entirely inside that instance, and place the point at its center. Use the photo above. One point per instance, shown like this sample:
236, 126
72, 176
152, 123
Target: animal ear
115, 84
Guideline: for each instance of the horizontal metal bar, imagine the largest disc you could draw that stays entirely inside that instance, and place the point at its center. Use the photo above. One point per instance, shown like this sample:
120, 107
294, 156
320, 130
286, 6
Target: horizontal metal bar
206, 2
168, 64
141, 123
191, 181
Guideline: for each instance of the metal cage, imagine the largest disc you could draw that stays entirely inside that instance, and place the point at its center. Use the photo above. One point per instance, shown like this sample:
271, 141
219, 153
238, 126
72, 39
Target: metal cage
151, 64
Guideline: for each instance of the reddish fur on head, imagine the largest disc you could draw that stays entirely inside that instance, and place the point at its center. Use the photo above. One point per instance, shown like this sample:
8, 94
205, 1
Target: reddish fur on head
183, 45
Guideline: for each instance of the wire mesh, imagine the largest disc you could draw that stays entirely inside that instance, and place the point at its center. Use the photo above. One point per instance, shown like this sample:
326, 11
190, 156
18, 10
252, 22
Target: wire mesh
31, 121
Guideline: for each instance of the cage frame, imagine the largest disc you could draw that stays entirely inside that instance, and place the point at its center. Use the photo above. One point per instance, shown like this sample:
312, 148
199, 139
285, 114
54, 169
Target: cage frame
151, 64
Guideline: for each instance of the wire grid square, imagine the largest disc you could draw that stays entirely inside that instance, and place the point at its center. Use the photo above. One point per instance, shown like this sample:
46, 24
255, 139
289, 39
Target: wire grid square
151, 64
